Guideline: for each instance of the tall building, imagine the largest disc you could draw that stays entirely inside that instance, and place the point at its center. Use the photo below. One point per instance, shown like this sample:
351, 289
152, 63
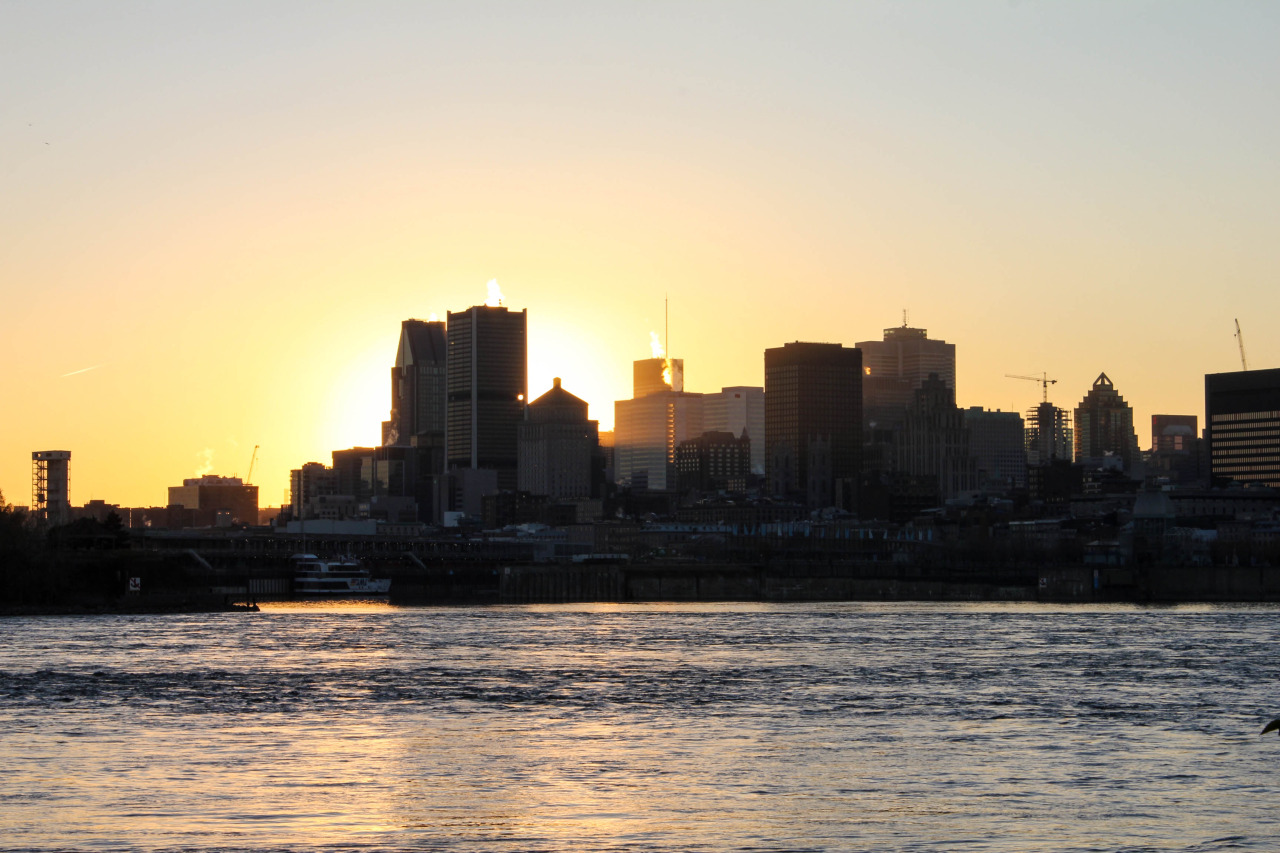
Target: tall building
1104, 425
419, 385
656, 375
560, 448
1049, 437
935, 441
646, 431
50, 486
813, 422
487, 386
1242, 413
739, 410
896, 367
997, 441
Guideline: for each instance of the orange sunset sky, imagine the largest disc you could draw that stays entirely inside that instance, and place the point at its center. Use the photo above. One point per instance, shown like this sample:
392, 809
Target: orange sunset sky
213, 217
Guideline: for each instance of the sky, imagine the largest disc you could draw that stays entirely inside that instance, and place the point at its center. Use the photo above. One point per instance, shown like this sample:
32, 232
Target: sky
214, 216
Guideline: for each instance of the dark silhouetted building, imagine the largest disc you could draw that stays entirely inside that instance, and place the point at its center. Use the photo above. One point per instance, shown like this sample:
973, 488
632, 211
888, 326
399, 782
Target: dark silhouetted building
714, 461
217, 500
935, 441
487, 386
1177, 451
1104, 425
1173, 432
896, 367
1049, 438
998, 443
1242, 413
739, 410
560, 448
50, 486
813, 422
419, 385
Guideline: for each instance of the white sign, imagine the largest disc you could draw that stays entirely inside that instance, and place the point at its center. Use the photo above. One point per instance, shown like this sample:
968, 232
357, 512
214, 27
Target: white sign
135, 584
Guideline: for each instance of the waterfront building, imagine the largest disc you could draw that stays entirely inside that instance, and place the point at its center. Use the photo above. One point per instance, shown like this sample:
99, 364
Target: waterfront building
813, 422
1104, 425
1242, 415
486, 389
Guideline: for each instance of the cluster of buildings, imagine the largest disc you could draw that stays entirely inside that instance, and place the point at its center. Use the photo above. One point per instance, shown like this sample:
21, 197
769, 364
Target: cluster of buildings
871, 431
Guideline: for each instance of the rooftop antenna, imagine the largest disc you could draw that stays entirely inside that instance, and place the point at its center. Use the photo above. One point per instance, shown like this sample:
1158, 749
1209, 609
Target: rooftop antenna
904, 318
1244, 365
666, 324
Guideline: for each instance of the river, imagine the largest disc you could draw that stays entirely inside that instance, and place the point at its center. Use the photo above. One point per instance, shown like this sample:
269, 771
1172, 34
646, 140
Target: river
939, 727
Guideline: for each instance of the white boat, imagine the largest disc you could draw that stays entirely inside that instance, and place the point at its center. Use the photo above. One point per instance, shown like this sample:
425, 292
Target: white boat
343, 576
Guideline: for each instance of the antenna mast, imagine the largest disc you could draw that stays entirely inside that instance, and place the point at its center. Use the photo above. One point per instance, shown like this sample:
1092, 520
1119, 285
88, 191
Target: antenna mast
1244, 365
666, 324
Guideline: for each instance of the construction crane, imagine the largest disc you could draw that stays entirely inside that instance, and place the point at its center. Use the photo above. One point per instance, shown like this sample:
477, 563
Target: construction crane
1244, 365
1043, 379
249, 480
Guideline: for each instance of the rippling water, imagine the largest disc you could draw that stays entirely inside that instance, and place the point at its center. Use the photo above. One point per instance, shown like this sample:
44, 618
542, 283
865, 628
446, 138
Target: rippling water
663, 727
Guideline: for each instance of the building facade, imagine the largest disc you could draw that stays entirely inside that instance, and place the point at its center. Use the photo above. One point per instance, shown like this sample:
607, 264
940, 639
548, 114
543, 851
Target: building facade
895, 367
217, 500
419, 385
998, 443
487, 387
1049, 436
739, 410
714, 461
559, 448
935, 441
1104, 425
51, 486
1242, 415
813, 422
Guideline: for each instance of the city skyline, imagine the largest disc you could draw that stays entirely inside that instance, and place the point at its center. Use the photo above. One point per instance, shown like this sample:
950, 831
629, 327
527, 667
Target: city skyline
216, 229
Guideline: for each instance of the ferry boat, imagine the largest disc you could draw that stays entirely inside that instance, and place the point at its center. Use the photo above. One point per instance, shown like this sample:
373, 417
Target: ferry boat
343, 576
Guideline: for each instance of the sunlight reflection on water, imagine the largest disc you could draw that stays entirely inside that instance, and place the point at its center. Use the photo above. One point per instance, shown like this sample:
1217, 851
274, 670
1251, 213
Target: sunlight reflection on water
700, 727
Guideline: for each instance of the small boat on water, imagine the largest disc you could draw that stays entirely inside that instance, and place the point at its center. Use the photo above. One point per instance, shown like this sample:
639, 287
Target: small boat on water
341, 576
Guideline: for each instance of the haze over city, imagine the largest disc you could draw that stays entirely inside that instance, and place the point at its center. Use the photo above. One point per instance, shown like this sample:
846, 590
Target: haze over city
216, 217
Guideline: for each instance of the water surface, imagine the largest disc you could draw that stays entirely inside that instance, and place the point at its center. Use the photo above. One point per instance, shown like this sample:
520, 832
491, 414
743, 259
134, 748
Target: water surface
643, 727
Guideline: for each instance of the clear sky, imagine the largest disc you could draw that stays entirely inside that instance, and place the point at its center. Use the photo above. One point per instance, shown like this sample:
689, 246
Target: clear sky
213, 217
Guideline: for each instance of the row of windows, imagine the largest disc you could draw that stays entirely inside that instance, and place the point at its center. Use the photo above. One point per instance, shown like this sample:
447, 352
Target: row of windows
1245, 416
1223, 436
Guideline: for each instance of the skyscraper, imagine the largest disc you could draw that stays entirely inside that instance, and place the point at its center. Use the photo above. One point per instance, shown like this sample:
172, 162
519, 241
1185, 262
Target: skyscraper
1242, 410
1049, 437
935, 441
899, 365
419, 384
813, 422
487, 386
1104, 424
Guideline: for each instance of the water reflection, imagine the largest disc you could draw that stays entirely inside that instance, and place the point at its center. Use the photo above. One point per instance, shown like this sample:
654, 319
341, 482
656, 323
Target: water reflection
704, 727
